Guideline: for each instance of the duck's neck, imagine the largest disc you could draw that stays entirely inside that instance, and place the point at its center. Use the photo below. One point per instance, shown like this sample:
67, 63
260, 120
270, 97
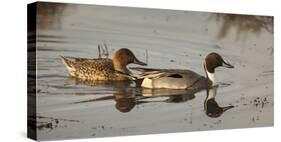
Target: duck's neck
120, 67
210, 76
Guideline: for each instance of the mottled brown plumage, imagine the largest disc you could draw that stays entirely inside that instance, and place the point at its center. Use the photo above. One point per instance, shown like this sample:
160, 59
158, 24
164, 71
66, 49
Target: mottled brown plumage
101, 68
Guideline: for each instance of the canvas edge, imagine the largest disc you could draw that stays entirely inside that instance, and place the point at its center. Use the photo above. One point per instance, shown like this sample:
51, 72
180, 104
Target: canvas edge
31, 70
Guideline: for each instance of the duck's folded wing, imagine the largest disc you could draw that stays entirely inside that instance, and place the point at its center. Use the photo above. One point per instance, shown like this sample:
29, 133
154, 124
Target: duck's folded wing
157, 73
141, 69
77, 59
173, 77
82, 59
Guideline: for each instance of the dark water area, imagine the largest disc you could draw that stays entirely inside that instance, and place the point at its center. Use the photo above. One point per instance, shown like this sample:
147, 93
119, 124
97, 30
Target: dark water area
68, 108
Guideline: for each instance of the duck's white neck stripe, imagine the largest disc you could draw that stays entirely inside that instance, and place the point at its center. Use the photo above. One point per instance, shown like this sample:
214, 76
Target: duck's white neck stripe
147, 83
211, 93
210, 76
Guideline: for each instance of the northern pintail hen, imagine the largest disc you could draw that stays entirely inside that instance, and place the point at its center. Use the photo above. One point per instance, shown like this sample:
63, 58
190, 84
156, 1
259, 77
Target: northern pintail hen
101, 69
179, 78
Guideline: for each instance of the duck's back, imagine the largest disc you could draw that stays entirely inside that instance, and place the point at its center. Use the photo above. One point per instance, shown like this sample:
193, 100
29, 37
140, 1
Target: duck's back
91, 69
173, 79
95, 69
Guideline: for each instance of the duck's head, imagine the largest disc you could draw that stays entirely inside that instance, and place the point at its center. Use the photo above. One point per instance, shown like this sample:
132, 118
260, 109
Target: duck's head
123, 57
212, 61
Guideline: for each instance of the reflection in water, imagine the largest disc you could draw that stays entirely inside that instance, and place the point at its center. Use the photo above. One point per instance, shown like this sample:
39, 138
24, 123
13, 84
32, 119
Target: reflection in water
102, 83
244, 23
44, 122
124, 103
127, 97
180, 98
211, 107
49, 16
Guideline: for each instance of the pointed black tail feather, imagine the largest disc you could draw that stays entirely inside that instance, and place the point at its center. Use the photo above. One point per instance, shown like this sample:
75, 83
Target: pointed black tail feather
137, 80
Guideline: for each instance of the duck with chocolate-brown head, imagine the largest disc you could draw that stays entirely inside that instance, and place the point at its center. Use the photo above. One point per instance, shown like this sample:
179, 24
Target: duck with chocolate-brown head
122, 58
101, 69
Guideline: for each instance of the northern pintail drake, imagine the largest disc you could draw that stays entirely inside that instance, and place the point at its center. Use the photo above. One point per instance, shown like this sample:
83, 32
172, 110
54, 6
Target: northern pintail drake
101, 69
179, 78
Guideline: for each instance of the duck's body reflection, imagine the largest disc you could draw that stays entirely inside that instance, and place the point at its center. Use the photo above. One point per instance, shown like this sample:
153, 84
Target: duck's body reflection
211, 107
127, 97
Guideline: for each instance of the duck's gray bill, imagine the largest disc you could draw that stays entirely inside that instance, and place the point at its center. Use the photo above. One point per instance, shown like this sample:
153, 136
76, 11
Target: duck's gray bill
227, 65
136, 61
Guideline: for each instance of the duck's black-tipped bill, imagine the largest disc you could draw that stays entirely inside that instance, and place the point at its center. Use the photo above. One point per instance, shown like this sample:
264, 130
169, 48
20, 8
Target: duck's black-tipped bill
227, 108
227, 65
136, 61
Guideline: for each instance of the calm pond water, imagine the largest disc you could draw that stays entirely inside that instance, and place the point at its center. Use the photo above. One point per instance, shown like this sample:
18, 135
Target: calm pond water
166, 39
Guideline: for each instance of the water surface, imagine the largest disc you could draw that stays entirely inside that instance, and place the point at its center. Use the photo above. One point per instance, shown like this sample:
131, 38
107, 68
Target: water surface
167, 39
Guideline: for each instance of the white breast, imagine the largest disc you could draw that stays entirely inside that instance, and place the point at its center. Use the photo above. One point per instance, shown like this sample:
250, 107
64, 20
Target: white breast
147, 83
211, 76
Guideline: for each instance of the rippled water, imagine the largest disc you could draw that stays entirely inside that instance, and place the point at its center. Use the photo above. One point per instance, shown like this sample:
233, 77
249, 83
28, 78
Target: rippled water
168, 39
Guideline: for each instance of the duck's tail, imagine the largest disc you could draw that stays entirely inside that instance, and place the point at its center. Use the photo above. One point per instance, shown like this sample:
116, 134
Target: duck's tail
69, 64
130, 76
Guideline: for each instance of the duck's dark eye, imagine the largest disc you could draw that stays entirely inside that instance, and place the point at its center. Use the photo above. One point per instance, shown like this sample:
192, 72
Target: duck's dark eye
175, 76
